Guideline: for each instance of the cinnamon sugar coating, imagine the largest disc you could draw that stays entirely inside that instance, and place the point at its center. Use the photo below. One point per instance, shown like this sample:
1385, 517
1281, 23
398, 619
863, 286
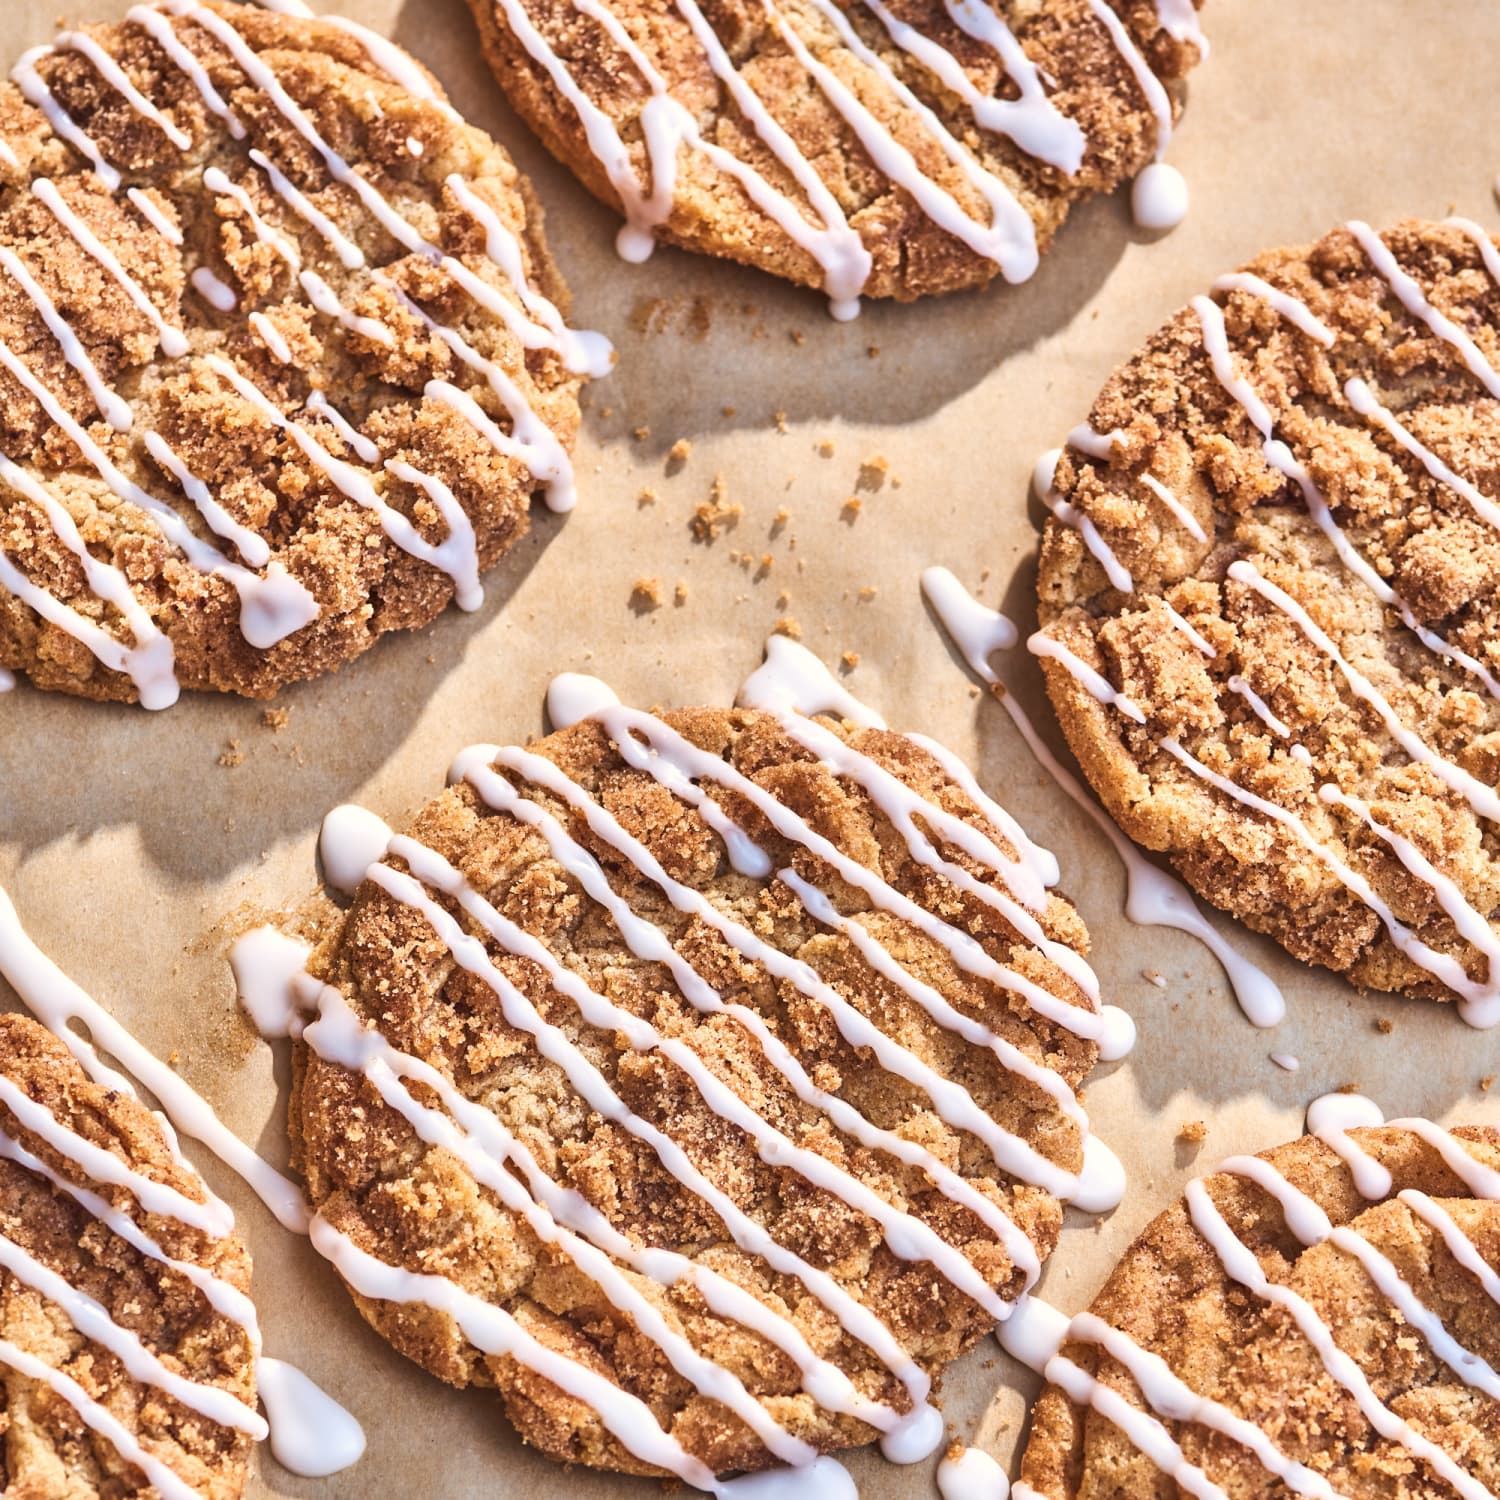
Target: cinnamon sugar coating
419, 1207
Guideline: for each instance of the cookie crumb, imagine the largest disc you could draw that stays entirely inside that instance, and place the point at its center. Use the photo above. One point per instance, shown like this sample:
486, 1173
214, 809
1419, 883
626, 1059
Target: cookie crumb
1385, 1026
788, 627
646, 497
726, 411
276, 719
680, 593
873, 351
849, 661
231, 755
646, 595
1486, 1083
641, 433
867, 593
1192, 1131
715, 514
824, 448
678, 455
780, 519
778, 418
873, 473
851, 508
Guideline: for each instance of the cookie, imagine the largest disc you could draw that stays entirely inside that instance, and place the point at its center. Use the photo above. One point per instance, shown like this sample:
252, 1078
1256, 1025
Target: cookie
892, 148
1270, 603
282, 361
705, 1103
122, 1371
1316, 1320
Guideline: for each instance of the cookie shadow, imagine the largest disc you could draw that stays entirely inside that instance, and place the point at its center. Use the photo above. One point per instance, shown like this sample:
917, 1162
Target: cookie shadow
231, 783
710, 346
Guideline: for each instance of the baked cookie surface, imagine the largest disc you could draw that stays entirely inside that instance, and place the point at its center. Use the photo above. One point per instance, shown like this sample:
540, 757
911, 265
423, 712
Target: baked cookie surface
87, 1415
670, 1115
890, 148
1270, 603
281, 360
1351, 1352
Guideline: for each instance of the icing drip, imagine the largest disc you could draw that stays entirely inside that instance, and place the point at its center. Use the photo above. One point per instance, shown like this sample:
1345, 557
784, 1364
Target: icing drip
971, 1475
1153, 897
1037, 1333
275, 606
310, 1433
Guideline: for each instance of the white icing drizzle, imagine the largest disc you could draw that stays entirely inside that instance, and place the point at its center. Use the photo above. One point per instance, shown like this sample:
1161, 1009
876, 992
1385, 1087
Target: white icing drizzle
1483, 799
117, 78
31, 84
1359, 395
174, 342
217, 293
1031, 119
492, 1330
1153, 897
1110, 1028
319, 404
310, 1433
1479, 1001
272, 607
100, 1419
1286, 1062
1411, 296
155, 216
907, 1236
1279, 456
286, 1001
1189, 521
1043, 483
270, 971
112, 407
94, 1322
150, 662
56, 1001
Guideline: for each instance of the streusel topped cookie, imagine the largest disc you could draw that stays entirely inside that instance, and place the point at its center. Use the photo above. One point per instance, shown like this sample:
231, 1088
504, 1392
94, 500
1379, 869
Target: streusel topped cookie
883, 148
281, 357
1270, 603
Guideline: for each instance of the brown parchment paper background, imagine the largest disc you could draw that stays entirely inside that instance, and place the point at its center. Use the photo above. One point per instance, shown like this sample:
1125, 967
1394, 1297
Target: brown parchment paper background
124, 842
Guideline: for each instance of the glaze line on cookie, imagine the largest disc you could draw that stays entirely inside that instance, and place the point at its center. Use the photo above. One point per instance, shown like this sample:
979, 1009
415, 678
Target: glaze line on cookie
314, 1450
359, 851
274, 605
1031, 121
1153, 898
1038, 1333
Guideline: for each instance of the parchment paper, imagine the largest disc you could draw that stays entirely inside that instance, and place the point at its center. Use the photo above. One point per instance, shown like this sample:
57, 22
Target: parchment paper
125, 842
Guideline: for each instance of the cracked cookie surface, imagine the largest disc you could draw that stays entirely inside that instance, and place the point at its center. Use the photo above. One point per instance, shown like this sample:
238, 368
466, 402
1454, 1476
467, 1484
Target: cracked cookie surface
1172, 1298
